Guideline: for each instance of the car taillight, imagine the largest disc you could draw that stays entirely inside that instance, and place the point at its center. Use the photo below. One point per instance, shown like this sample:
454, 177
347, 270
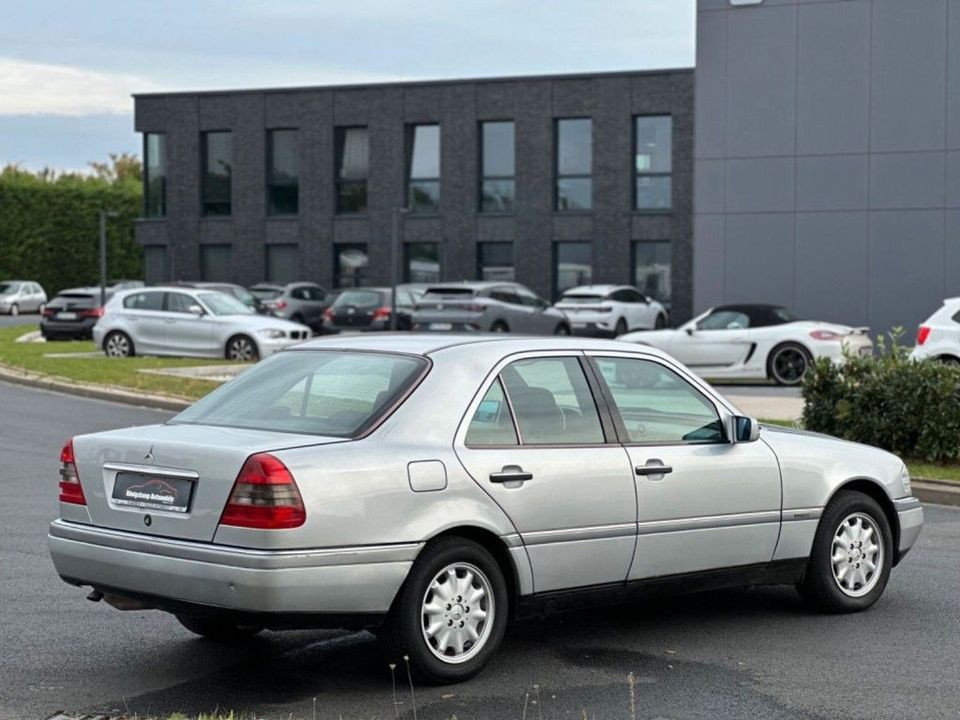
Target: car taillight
473, 308
264, 496
94, 312
604, 309
328, 314
382, 313
825, 335
70, 489
280, 304
47, 312
923, 332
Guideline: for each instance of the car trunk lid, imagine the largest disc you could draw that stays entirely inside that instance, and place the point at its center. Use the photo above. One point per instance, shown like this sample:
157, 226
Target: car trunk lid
170, 480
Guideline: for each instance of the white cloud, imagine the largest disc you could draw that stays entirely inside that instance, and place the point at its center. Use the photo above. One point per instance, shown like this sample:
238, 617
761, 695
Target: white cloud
28, 88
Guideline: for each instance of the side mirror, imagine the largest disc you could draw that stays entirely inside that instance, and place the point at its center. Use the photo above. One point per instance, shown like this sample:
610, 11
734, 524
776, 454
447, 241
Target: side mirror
196, 310
745, 429
688, 330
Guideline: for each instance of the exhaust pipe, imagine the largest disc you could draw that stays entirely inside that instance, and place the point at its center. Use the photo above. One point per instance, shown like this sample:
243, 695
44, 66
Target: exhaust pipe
120, 603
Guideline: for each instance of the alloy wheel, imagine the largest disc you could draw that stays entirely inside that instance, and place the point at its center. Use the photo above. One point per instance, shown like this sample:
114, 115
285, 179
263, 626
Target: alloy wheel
457, 613
117, 346
242, 349
789, 365
14, 310
857, 555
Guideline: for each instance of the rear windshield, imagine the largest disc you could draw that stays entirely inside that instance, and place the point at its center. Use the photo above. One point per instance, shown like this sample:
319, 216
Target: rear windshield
450, 291
314, 392
75, 300
580, 299
359, 298
266, 293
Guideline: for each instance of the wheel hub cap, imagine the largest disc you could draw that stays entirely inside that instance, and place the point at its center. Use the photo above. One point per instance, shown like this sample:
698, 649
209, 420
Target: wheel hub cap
857, 555
457, 613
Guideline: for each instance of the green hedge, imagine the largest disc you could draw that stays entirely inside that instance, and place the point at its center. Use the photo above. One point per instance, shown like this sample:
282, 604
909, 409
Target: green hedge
910, 408
49, 228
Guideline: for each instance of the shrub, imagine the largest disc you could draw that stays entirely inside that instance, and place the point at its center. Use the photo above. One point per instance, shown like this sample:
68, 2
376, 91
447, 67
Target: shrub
911, 408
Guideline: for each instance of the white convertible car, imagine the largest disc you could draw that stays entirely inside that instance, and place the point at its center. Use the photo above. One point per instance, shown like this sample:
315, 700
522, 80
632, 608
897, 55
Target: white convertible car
754, 342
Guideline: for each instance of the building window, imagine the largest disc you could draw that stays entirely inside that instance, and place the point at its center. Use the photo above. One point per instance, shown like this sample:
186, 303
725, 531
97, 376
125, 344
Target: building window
653, 162
154, 175
350, 263
651, 268
283, 174
495, 261
421, 262
574, 164
353, 166
215, 263
497, 167
572, 265
155, 264
217, 152
423, 187
283, 263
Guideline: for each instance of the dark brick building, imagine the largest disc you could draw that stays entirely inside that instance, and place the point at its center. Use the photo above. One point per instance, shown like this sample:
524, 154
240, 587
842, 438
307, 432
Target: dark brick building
548, 180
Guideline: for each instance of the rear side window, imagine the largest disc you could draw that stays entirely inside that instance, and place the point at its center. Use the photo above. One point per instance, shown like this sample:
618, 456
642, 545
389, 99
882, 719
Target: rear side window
724, 320
338, 394
492, 424
144, 301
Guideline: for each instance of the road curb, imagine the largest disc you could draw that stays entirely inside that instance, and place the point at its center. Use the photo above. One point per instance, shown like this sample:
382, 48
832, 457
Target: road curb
95, 392
928, 490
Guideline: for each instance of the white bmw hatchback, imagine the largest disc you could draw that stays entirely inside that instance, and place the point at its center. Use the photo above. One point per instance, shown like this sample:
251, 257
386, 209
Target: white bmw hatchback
938, 338
184, 322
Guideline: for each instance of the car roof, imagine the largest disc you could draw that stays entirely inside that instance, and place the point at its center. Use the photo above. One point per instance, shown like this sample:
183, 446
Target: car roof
596, 289
748, 307
18, 281
471, 285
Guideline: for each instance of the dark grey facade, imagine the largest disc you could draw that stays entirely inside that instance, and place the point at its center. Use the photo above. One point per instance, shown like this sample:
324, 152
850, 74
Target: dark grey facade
828, 157
249, 244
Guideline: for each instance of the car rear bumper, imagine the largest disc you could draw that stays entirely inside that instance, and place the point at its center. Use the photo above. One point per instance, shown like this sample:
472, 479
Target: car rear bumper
592, 329
910, 515
357, 580
54, 329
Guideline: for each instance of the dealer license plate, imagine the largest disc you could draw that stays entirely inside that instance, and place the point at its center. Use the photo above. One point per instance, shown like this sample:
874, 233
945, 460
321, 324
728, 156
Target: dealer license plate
153, 492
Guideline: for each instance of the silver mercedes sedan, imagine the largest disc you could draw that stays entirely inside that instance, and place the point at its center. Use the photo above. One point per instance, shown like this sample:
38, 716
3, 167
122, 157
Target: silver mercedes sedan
431, 487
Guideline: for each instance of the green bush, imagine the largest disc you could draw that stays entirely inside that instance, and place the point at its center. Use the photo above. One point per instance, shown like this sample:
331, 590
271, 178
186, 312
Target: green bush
49, 227
910, 408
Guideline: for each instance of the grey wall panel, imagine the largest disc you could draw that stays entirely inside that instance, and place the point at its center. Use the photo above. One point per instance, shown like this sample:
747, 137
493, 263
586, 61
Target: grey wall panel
907, 180
953, 180
709, 185
760, 258
951, 255
760, 185
834, 73
711, 85
908, 75
953, 75
709, 253
761, 81
832, 182
906, 250
831, 270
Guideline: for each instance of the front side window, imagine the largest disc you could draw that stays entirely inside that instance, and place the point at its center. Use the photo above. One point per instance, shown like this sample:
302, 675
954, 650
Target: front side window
154, 175
350, 263
656, 405
498, 167
495, 261
421, 263
574, 164
353, 167
180, 302
283, 178
219, 303
653, 162
492, 423
216, 149
423, 180
572, 266
552, 402
652, 262
329, 393
724, 320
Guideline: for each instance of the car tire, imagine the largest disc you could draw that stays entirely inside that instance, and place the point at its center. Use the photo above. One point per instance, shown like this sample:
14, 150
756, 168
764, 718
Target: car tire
948, 360
499, 327
117, 344
14, 310
242, 348
462, 583
562, 329
660, 323
217, 629
788, 363
621, 328
853, 535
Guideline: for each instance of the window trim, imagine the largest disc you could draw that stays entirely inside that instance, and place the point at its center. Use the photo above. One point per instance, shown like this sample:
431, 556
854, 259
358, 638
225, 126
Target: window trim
483, 177
268, 166
636, 175
204, 134
556, 293
146, 176
478, 256
557, 177
409, 180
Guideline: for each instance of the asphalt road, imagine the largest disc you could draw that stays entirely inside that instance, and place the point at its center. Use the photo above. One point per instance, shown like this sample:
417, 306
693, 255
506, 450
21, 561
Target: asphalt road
22, 319
738, 654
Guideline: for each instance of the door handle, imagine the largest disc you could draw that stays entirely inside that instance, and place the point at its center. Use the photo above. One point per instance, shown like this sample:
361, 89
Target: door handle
511, 473
653, 469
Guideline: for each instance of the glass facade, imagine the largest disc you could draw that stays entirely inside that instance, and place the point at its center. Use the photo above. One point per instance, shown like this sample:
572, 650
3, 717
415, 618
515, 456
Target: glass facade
421, 262
574, 164
283, 174
653, 162
283, 263
215, 263
353, 167
652, 263
423, 183
216, 150
495, 261
498, 166
154, 175
572, 265
350, 263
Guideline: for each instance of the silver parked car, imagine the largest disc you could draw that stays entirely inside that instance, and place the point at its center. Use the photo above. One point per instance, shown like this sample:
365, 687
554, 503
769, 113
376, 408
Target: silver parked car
17, 296
299, 302
487, 307
431, 487
185, 322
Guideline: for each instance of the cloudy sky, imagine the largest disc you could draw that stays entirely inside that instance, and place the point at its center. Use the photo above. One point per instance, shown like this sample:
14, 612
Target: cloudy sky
68, 67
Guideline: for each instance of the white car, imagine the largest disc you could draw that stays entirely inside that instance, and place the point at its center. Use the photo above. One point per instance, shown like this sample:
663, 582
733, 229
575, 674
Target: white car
610, 310
938, 338
184, 322
755, 342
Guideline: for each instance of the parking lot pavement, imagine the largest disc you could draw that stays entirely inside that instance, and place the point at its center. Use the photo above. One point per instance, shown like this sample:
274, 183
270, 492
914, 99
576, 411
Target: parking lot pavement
735, 654
32, 320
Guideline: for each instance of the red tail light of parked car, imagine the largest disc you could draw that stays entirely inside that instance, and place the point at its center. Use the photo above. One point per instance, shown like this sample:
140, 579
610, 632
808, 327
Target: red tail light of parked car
70, 489
264, 496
